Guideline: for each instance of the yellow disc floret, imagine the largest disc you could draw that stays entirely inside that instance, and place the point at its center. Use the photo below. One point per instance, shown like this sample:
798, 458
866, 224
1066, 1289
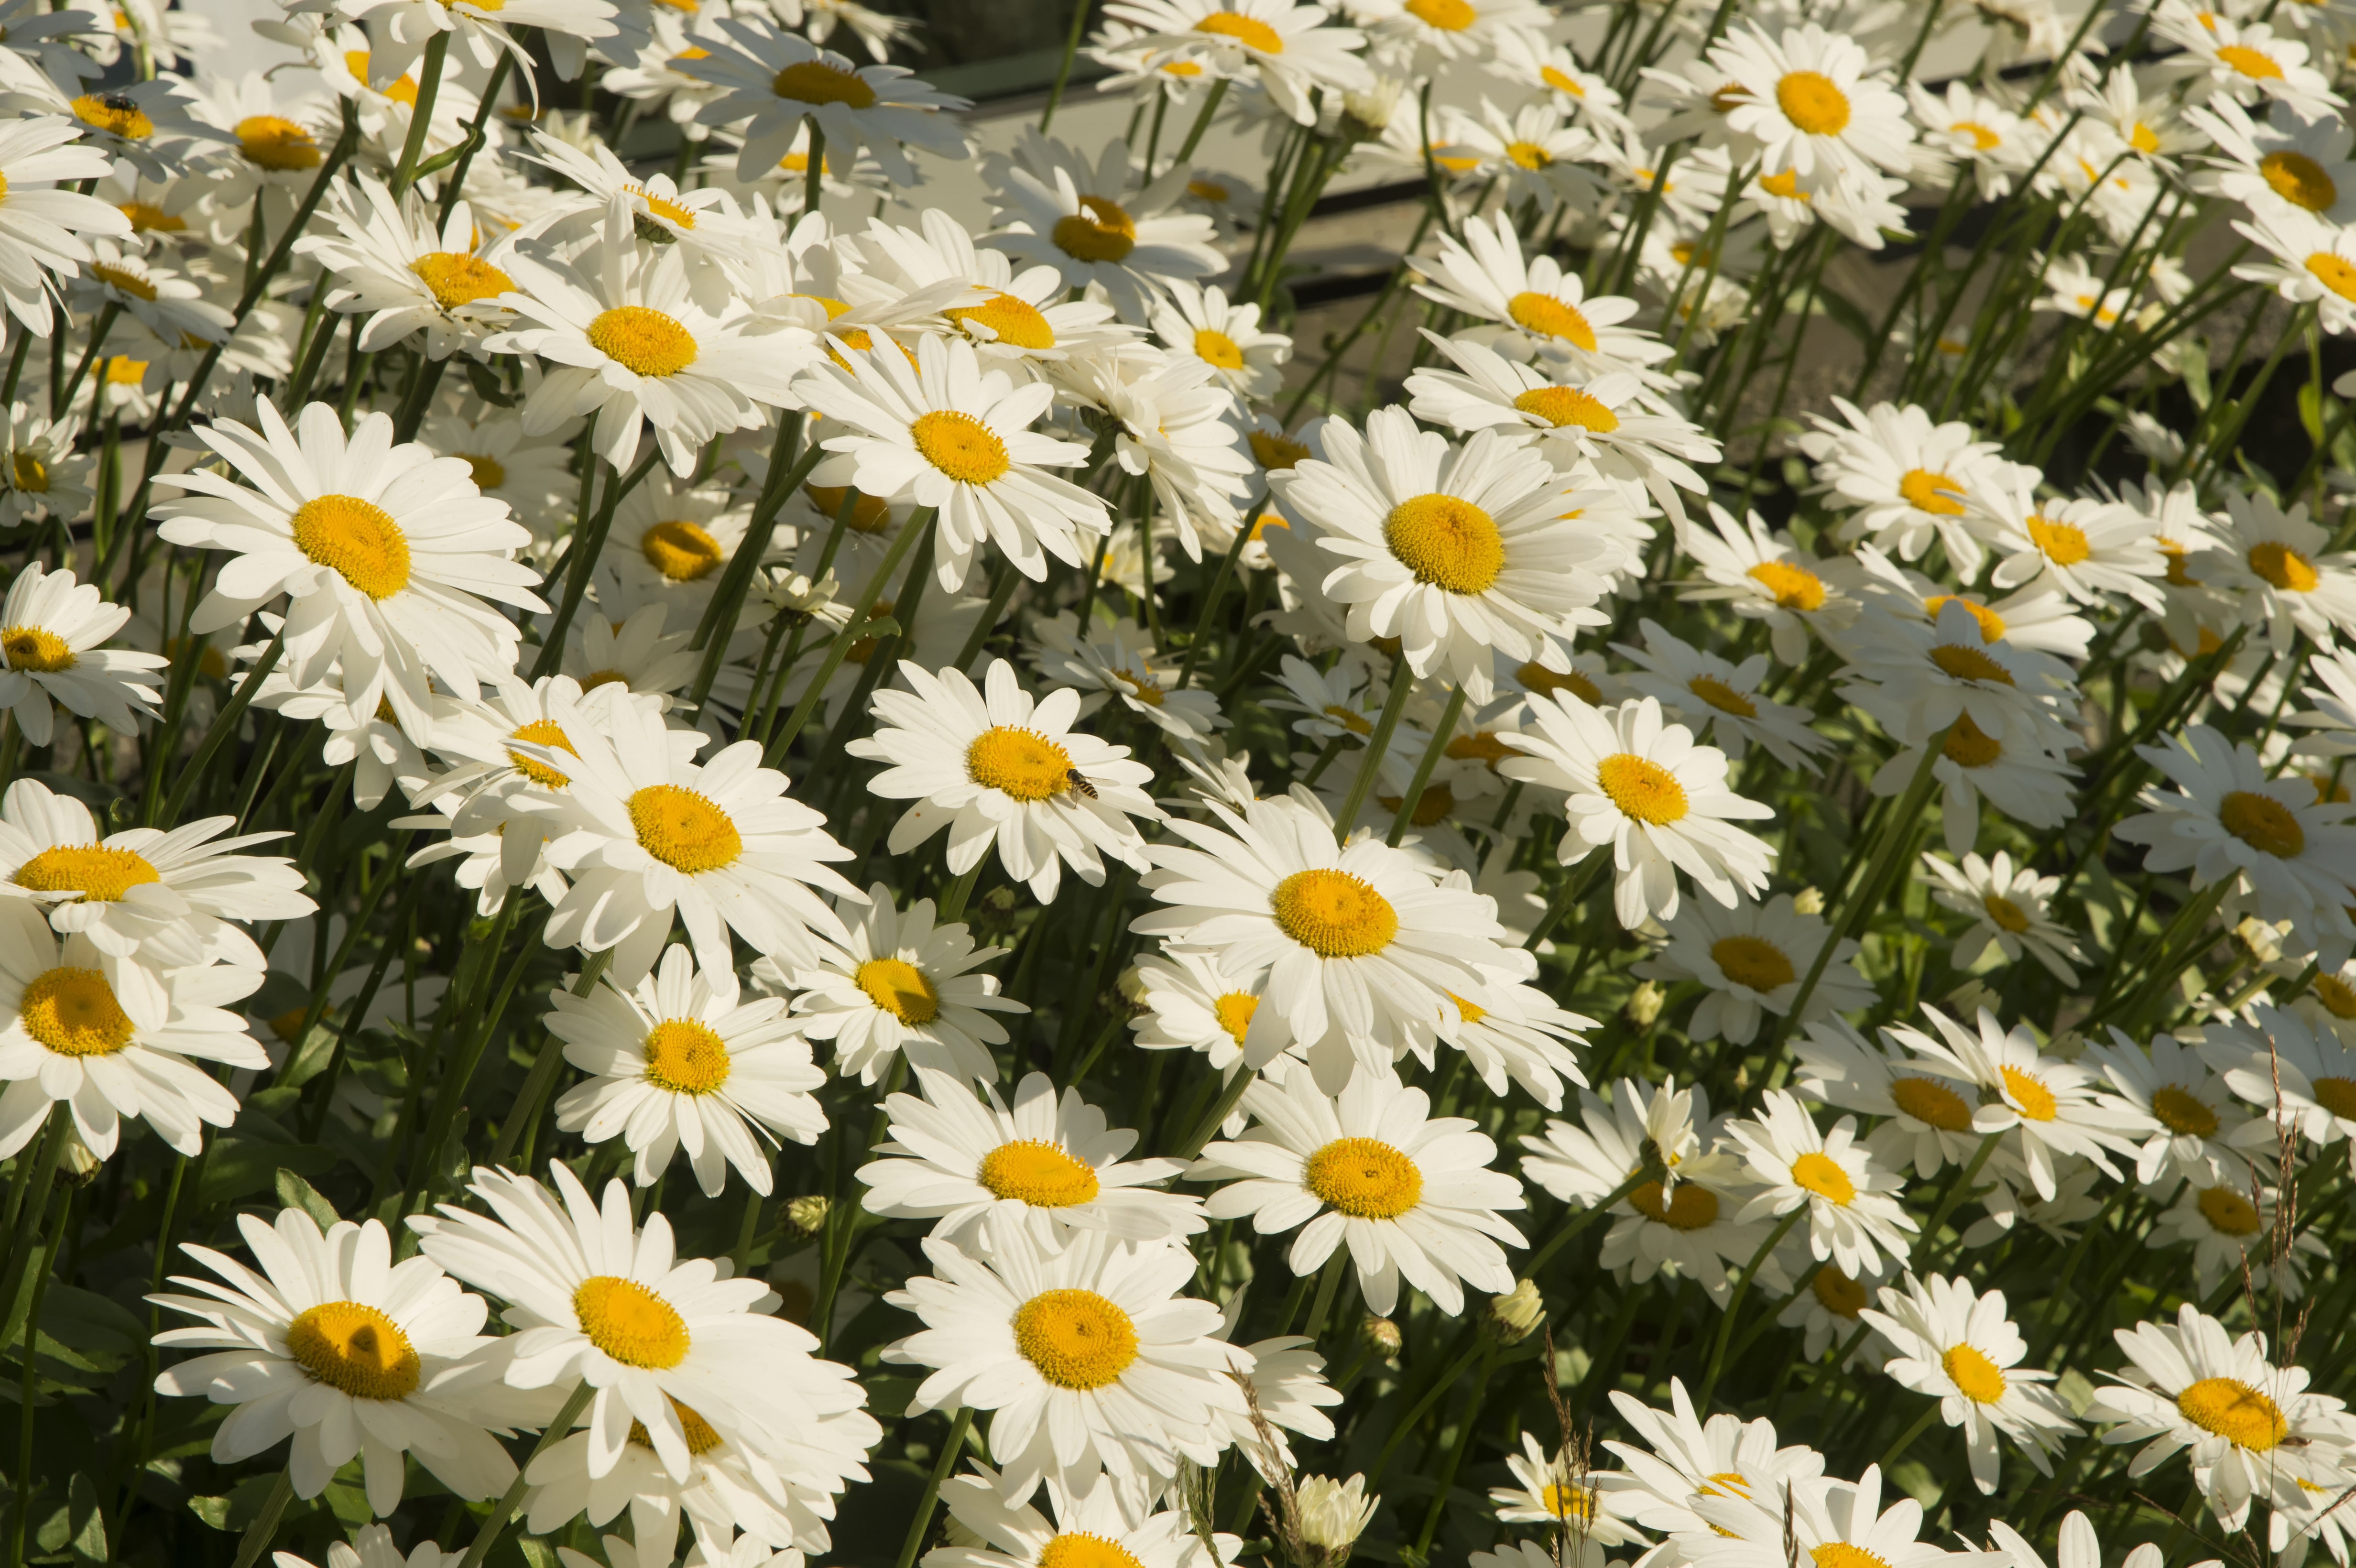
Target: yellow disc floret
1032, 1171
1752, 961
815, 81
1019, 763
96, 871
356, 539
540, 732
1548, 316
1076, 1338
642, 341
960, 446
682, 551
1365, 1178
1447, 542
1102, 230
32, 648
1642, 788
2235, 1412
630, 1322
683, 829
353, 1348
73, 1012
1333, 914
686, 1057
900, 989
457, 279
2261, 822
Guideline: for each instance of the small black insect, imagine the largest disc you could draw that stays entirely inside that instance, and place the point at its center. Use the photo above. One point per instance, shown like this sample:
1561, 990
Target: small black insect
121, 102
1074, 777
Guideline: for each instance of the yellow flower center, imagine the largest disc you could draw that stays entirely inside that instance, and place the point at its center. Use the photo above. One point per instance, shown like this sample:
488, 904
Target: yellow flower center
1528, 155
1545, 682
1435, 803
1550, 317
702, 1437
1642, 788
2334, 273
630, 1322
93, 870
1969, 663
1561, 81
2005, 913
815, 81
2030, 1094
2337, 1095
1841, 1554
1099, 231
1931, 1102
668, 210
1234, 1011
1032, 1171
457, 279
603, 678
1274, 452
1010, 321
1820, 1174
113, 112
643, 341
1795, 587
1840, 1294
682, 552
2228, 1212
1722, 697
1974, 1375
276, 143
1140, 688
1991, 624
1206, 190
2283, 566
2064, 544
1810, 100
1333, 914
1217, 349
138, 286
2299, 180
540, 732
683, 829
1078, 1549
1447, 543
356, 1349
2177, 576
1933, 493
869, 514
1785, 184
2338, 996
73, 1012
960, 446
1019, 763
1983, 139
686, 1057
2235, 1412
1752, 961
1560, 405
1690, 1208
1448, 16
356, 539
2261, 822
1076, 1338
32, 648
1365, 1178
1969, 747
489, 473
125, 372
2182, 1111
1248, 31
2249, 62
900, 989
147, 217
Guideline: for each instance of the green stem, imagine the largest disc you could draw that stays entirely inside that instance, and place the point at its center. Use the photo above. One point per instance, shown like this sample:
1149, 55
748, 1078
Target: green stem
223, 726
1377, 745
1734, 1303
265, 1524
544, 1065
585, 548
1442, 734
1574, 1224
924, 1518
840, 649
421, 113
504, 1509
1064, 68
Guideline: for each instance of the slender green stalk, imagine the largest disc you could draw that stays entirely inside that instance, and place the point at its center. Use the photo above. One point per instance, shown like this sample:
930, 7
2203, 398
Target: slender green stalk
922, 1521
488, 1535
1370, 762
421, 113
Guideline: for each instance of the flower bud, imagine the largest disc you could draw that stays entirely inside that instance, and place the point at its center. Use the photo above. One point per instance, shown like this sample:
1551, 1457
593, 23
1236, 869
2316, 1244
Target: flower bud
1515, 1317
1644, 1004
1333, 1513
1380, 1335
805, 1217
1131, 986
1365, 113
1808, 901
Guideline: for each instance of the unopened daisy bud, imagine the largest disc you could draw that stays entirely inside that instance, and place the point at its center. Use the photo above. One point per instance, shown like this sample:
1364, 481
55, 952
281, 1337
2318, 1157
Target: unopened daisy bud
1969, 998
1380, 1335
78, 1166
1365, 113
1333, 1513
2260, 938
1644, 1004
806, 1216
1515, 1316
1131, 986
1808, 901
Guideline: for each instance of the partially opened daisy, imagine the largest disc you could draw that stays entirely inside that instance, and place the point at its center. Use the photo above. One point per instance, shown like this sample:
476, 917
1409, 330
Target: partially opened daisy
901, 985
1289, 50
596, 1299
1680, 1459
1535, 307
50, 631
1047, 1163
1852, 1217
385, 553
2226, 818
1752, 957
353, 1356
1960, 1348
771, 83
643, 833
1088, 1360
2011, 911
2052, 1107
685, 1060
1645, 790
1549, 1493
995, 765
1410, 1194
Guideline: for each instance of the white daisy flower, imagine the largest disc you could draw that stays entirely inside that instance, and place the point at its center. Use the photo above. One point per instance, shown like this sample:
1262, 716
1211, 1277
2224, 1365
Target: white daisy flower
1721, 699
1097, 226
1683, 1458
1117, 661
1189, 1004
383, 755
1902, 480
1532, 154
1762, 577
2019, 778
2289, 158
1418, 36
1201, 322
394, 260
2278, 563
40, 225
1049, 1164
1852, 1218
1961, 1348
351, 1355
2231, 1232
2244, 60
1828, 1521
685, 1060
1929, 1124
1929, 675
2010, 911
772, 81
1173, 417
2088, 548
406, 27
1535, 307
2053, 1108
1752, 957
2228, 818
1411, 1195
2193, 1123
1093, 1522
41, 476
1291, 51
50, 629
1548, 1493
2292, 1073
1810, 99
1515, 1031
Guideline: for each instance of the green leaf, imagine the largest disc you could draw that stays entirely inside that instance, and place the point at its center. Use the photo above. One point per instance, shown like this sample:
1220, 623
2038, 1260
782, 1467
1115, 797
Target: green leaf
2310, 409
242, 1166
214, 1511
294, 1193
537, 1551
888, 1397
2196, 380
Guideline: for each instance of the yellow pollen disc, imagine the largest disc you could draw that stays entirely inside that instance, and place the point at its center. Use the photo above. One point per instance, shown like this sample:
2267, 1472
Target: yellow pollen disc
2235, 1412
1569, 1502
1365, 1178
489, 473
1969, 663
32, 648
1983, 139
356, 539
93, 870
1690, 1208
73, 1012
147, 217
2064, 544
630, 1322
1076, 1338
682, 552
1933, 493
1546, 682
1841, 1554
1722, 697
1840, 1294
2182, 1111
2337, 1095
1810, 100
2228, 1212
1448, 16
1100, 232
683, 829
2005, 913
276, 143
1481, 746
1472, 1012
1785, 184
869, 514
1206, 190
1560, 405
1821, 1175
686, 1057
1012, 321
668, 211
2261, 822
645, 342
1974, 1375
900, 989
960, 446
1991, 624
702, 1436
1932, 1104
285, 1025
124, 279
1454, 164
1447, 543
1078, 1549
122, 117
815, 81
2030, 1094
2337, 995
1795, 587
1641, 789
2334, 273
1560, 81
403, 91
1019, 763
1333, 914
1273, 451
542, 733
2299, 180
1752, 961
2249, 62
1234, 1012
1735, 1485
1248, 31
1038, 1173
457, 279
125, 372
1218, 350
1434, 804
1141, 690
1969, 747
1528, 155
356, 1349
2283, 566
1550, 317
603, 678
